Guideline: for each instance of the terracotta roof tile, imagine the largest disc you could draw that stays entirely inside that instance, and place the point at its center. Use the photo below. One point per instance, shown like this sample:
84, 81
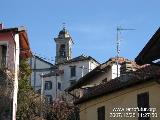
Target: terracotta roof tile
147, 73
80, 58
96, 71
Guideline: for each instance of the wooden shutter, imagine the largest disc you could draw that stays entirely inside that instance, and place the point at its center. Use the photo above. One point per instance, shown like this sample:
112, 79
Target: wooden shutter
101, 113
143, 102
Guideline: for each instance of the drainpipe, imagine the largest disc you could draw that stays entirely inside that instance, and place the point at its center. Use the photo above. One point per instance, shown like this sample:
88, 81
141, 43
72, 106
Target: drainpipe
15, 89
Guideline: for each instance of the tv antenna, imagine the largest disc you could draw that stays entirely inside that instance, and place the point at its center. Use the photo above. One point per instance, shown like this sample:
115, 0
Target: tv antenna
119, 29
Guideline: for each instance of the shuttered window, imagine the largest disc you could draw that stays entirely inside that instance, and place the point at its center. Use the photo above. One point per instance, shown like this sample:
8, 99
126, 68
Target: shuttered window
73, 71
48, 85
143, 102
101, 113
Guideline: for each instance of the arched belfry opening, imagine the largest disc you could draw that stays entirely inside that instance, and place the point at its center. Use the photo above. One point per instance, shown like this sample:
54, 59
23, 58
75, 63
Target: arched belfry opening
62, 51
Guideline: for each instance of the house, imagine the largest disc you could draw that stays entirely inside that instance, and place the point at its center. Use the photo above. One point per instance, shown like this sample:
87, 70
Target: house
64, 73
124, 98
132, 95
14, 45
39, 66
73, 68
101, 74
52, 83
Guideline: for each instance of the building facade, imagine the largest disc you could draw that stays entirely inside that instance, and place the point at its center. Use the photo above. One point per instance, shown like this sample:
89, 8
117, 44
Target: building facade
65, 72
101, 74
14, 45
133, 96
39, 66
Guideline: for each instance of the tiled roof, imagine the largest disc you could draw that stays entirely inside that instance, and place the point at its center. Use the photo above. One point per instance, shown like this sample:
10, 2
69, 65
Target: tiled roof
98, 70
147, 73
25, 50
42, 59
80, 58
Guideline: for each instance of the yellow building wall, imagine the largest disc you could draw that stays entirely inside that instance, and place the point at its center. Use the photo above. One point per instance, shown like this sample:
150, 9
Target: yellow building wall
122, 99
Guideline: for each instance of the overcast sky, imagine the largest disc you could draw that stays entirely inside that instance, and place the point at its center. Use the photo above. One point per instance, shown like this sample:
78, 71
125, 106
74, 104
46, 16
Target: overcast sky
91, 23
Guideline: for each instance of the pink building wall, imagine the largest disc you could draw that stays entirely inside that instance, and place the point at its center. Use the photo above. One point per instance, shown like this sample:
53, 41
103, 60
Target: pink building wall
8, 37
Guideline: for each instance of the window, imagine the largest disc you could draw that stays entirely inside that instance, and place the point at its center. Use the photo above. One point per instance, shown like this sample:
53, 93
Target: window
3, 54
143, 102
73, 71
48, 85
62, 50
101, 113
49, 98
72, 82
59, 86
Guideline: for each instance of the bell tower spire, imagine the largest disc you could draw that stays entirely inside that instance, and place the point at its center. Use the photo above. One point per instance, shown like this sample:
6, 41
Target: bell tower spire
63, 46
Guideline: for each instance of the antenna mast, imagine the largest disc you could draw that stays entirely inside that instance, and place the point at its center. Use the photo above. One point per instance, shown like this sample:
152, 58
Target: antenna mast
119, 29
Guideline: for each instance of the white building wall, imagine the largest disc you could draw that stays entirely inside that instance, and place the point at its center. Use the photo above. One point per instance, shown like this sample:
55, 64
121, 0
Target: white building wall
92, 65
35, 76
114, 71
87, 67
64, 79
110, 74
54, 92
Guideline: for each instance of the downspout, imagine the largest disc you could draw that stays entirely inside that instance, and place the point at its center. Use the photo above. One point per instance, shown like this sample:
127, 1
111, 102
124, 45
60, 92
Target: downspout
15, 89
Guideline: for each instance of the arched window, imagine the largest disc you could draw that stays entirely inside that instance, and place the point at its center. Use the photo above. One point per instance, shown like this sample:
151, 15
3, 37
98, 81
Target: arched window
62, 50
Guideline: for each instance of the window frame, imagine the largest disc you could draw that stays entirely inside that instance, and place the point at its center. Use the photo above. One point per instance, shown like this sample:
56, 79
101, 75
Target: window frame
59, 86
72, 82
143, 102
48, 85
101, 113
73, 71
4, 43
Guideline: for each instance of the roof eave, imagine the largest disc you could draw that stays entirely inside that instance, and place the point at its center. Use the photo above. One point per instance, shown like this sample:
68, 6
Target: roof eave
145, 56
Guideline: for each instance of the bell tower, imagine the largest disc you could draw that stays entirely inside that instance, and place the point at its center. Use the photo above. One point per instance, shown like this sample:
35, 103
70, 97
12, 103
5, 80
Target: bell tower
63, 46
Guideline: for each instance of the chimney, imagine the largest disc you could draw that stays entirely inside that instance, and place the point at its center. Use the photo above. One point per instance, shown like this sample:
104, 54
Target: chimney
128, 66
1, 26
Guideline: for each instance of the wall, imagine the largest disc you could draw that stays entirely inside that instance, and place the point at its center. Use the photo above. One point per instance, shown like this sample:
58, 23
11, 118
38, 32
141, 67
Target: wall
35, 79
8, 38
108, 74
114, 71
88, 66
54, 92
121, 99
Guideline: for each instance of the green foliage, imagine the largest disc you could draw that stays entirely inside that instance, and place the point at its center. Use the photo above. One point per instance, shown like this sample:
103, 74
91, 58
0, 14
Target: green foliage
24, 74
29, 102
31, 107
6, 91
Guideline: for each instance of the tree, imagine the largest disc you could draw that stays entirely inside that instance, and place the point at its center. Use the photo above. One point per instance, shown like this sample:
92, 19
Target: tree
6, 91
29, 105
64, 111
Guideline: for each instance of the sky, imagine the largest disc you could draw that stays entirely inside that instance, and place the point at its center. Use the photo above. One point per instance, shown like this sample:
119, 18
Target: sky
92, 24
